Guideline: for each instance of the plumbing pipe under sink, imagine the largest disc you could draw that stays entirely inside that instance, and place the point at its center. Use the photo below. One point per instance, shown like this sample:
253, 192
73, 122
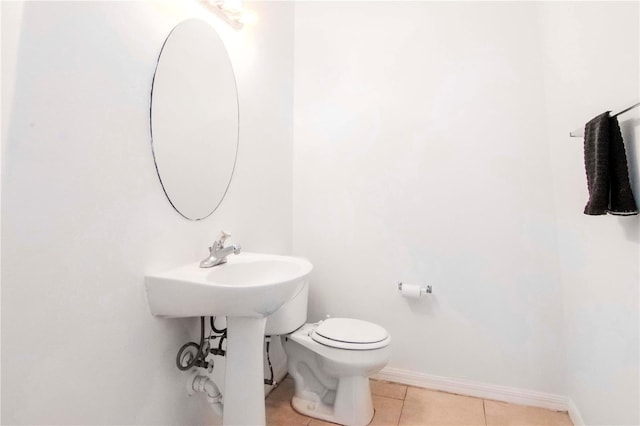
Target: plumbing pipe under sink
204, 384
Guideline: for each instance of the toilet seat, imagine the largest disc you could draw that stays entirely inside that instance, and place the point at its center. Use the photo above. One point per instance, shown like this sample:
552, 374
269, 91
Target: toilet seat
348, 333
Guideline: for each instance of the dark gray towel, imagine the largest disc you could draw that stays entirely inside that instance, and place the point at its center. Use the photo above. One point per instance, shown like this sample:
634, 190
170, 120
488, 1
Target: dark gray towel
606, 164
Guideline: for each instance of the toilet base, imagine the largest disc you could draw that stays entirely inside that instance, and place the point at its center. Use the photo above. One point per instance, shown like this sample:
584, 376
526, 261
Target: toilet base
351, 405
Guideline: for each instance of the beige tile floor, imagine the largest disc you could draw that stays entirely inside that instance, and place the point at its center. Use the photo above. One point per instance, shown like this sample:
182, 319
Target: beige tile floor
397, 404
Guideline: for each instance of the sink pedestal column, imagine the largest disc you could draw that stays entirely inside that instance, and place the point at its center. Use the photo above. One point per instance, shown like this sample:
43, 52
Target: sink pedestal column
244, 375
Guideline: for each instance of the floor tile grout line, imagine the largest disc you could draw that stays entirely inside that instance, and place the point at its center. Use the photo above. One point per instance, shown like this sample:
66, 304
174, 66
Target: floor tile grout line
388, 396
484, 412
400, 416
406, 389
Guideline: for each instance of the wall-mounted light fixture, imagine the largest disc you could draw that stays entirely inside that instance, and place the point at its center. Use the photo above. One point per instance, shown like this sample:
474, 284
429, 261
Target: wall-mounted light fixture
232, 12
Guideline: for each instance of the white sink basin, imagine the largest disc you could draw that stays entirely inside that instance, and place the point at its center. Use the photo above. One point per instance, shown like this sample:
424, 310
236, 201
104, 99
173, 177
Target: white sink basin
246, 289
248, 285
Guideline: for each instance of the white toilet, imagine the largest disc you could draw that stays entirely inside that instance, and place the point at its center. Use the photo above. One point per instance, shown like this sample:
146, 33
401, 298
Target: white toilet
330, 362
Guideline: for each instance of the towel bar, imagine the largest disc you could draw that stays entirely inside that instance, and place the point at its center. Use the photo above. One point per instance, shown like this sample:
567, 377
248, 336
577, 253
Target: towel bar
578, 133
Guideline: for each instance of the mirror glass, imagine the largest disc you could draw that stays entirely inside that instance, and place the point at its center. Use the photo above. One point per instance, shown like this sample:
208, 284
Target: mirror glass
194, 119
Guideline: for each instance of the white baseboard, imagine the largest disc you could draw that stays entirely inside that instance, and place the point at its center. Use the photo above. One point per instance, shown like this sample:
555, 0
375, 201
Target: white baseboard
576, 418
479, 390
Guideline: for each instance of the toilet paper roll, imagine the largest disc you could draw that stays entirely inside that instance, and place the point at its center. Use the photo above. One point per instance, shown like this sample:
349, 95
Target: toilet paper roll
412, 291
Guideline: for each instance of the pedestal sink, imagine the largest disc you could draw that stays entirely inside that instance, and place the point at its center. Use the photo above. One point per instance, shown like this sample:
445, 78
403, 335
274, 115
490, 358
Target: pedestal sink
246, 289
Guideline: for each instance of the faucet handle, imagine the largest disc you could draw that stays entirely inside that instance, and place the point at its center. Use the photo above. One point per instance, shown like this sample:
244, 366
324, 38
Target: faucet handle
223, 237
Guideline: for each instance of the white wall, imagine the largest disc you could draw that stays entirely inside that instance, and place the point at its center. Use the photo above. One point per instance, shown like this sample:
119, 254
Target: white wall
84, 215
431, 145
10, 19
420, 155
592, 65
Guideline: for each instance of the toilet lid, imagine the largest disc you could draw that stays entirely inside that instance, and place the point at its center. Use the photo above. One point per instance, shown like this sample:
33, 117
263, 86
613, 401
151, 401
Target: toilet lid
347, 333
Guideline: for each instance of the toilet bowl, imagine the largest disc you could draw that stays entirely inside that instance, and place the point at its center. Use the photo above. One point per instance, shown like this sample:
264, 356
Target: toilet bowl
330, 362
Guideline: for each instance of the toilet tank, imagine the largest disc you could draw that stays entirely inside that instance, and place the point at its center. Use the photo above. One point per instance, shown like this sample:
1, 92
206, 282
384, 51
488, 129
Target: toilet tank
291, 315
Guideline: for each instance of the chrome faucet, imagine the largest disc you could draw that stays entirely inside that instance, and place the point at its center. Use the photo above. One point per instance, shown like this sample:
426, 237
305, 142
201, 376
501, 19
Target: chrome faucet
218, 252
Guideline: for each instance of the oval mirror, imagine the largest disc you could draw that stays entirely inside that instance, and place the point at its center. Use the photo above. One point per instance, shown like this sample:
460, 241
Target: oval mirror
194, 119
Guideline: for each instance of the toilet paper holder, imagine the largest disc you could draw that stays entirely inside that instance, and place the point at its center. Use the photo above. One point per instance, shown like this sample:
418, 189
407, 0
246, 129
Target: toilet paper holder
426, 289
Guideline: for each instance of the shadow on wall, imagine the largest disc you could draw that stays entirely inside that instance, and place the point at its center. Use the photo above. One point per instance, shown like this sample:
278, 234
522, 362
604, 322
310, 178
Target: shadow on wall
419, 307
630, 226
